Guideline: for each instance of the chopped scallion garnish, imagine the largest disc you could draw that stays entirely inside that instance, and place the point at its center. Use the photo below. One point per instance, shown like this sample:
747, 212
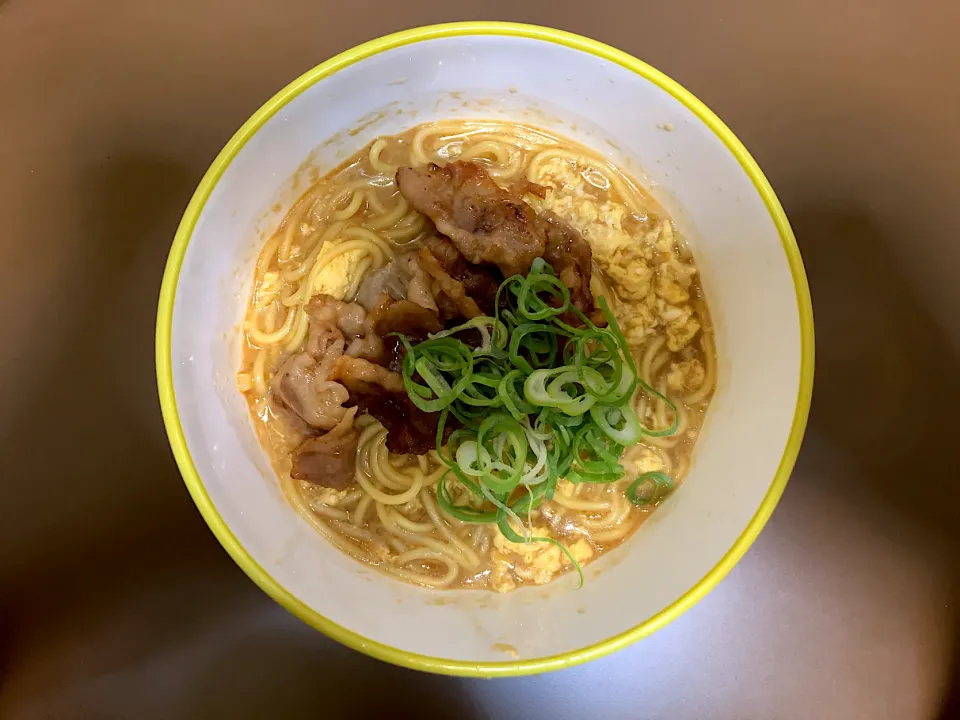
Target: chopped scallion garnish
538, 400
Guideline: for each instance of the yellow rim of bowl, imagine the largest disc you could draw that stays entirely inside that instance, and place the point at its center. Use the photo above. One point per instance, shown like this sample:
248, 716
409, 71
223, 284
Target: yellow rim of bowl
192, 479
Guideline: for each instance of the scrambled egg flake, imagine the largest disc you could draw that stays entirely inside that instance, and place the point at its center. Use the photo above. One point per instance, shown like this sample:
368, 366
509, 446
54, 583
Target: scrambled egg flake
673, 281
330, 497
532, 562
641, 459
334, 278
682, 326
501, 573
412, 506
266, 291
653, 284
244, 382
686, 376
600, 223
629, 272
646, 270
461, 495
566, 488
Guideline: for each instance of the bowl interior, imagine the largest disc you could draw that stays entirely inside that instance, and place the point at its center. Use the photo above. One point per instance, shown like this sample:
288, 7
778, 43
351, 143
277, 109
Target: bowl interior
668, 149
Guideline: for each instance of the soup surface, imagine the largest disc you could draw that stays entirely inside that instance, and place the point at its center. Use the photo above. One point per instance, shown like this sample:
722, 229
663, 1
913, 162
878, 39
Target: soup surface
354, 257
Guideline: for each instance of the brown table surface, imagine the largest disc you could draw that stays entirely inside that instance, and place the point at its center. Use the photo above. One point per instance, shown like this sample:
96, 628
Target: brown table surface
117, 602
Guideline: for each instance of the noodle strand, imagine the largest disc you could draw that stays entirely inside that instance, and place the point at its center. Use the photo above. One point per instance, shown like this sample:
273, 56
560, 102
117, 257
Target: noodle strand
357, 221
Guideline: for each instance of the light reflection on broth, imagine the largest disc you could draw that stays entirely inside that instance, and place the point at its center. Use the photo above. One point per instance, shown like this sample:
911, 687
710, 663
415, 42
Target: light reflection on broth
355, 221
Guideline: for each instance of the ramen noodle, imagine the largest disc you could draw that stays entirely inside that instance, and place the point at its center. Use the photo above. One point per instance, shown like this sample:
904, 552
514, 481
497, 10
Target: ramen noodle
354, 222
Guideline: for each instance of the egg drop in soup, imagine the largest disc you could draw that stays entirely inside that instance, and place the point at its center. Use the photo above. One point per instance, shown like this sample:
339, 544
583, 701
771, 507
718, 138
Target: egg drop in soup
478, 355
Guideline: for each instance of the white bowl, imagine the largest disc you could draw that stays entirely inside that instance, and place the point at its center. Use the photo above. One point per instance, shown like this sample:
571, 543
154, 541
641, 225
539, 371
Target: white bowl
672, 144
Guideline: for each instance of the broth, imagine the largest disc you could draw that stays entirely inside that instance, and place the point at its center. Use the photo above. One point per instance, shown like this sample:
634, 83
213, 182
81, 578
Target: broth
352, 222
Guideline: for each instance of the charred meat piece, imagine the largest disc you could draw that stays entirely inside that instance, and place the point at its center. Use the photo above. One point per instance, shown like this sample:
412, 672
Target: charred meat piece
303, 387
453, 289
409, 429
359, 375
408, 318
450, 314
485, 222
478, 282
304, 383
401, 279
446, 253
379, 390
393, 352
523, 186
330, 459
328, 315
418, 286
387, 282
571, 258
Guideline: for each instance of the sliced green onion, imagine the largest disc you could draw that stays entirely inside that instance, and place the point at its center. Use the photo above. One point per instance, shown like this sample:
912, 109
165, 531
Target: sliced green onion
619, 423
537, 400
672, 428
660, 481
